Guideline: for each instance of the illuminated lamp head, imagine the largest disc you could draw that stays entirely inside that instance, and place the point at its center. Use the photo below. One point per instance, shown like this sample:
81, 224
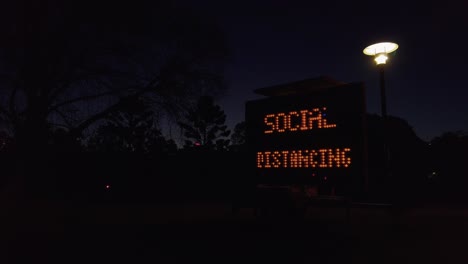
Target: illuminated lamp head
380, 51
381, 58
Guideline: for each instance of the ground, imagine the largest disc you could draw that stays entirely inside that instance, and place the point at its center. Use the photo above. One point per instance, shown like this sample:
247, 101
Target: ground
210, 232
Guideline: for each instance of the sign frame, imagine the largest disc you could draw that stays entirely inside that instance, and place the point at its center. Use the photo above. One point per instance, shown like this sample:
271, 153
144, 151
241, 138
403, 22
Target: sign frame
317, 138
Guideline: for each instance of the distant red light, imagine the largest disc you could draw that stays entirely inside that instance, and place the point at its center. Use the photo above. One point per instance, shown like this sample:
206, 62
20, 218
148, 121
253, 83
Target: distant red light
107, 186
197, 144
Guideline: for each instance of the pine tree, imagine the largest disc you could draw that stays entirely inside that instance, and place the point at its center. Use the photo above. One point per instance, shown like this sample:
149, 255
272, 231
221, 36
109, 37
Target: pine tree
204, 125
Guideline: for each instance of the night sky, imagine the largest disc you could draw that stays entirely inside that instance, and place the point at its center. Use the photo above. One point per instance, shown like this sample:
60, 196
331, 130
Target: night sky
275, 42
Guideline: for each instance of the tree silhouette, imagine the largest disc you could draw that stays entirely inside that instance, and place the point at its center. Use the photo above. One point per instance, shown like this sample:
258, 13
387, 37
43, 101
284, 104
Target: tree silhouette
204, 125
59, 69
238, 137
407, 157
448, 163
71, 64
132, 129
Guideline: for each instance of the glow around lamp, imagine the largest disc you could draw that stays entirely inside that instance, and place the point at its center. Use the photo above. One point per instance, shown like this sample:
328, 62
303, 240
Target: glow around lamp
380, 51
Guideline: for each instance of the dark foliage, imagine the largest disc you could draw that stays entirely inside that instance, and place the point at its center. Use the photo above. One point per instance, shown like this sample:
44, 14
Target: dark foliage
449, 173
408, 160
131, 129
71, 64
65, 66
204, 125
238, 137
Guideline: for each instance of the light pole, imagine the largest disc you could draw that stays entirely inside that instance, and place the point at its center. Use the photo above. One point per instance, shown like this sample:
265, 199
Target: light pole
380, 53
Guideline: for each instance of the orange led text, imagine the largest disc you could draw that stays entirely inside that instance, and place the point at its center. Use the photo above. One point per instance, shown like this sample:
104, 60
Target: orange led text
305, 158
300, 120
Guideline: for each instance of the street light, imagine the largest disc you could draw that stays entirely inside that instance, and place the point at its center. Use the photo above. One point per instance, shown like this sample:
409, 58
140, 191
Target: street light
380, 52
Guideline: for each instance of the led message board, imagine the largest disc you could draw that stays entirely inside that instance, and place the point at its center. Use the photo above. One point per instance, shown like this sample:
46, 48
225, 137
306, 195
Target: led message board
315, 138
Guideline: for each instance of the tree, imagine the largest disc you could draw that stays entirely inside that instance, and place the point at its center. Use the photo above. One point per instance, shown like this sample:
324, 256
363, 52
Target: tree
58, 69
448, 163
132, 129
70, 64
238, 137
407, 155
204, 125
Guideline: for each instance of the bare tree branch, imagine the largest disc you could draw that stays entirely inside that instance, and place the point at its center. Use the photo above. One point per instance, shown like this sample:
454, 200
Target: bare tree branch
77, 130
84, 98
103, 114
65, 118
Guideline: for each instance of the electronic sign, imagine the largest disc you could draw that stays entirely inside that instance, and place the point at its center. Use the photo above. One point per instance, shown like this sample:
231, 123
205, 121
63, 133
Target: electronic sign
316, 138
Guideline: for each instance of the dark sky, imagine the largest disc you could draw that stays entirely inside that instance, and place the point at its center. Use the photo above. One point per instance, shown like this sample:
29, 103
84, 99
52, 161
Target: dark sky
276, 42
